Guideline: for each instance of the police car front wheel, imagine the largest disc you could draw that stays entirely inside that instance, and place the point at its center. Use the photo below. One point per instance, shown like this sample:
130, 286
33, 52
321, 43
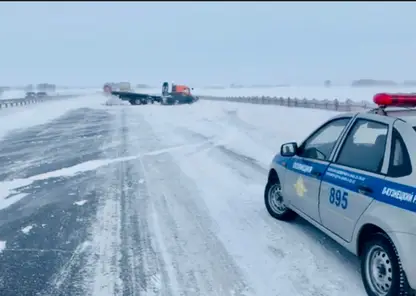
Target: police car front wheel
381, 269
273, 199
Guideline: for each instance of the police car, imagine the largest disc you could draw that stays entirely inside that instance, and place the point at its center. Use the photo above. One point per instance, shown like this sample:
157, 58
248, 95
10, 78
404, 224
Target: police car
353, 179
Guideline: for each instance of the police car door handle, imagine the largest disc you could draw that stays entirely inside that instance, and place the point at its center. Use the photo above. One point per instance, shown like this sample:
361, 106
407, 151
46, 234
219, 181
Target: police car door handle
316, 173
364, 189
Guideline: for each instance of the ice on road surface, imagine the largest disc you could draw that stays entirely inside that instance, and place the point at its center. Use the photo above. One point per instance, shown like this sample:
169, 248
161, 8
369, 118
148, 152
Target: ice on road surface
157, 200
18, 118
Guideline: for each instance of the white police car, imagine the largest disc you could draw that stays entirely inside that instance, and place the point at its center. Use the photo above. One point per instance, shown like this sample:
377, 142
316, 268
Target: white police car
353, 179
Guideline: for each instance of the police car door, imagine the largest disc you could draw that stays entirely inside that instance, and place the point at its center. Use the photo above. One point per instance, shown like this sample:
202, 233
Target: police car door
305, 170
349, 183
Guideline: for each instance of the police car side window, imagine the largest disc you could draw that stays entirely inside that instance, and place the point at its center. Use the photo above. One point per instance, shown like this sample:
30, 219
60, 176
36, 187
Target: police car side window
400, 165
364, 146
320, 144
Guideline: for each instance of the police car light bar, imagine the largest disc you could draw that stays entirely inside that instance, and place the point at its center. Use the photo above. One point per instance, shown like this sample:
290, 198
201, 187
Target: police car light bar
397, 100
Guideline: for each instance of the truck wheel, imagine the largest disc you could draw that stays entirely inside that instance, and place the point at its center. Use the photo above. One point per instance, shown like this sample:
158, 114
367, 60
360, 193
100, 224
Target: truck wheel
137, 102
273, 200
381, 269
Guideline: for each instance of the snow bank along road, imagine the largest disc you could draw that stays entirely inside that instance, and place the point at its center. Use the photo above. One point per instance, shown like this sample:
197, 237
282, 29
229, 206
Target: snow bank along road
156, 200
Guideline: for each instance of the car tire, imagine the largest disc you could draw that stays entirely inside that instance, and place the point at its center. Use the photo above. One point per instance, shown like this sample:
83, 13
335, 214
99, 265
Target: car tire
273, 200
381, 269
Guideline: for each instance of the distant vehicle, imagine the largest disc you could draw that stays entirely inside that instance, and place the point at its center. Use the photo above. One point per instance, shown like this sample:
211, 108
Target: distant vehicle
354, 179
40, 94
30, 94
180, 94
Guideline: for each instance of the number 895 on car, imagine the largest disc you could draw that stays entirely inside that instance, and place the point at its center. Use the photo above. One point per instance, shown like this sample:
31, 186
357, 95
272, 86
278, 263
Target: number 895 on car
338, 197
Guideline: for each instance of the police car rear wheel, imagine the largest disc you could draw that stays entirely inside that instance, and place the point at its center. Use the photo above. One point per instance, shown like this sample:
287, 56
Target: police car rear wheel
273, 199
381, 269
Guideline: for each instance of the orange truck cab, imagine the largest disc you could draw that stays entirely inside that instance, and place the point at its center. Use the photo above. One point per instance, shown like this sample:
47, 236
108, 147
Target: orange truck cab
180, 94
181, 89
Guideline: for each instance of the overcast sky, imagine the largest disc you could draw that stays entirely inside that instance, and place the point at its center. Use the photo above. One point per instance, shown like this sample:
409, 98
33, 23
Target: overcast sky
89, 43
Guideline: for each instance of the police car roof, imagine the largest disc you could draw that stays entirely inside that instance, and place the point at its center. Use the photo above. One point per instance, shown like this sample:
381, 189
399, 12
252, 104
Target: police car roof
409, 119
406, 114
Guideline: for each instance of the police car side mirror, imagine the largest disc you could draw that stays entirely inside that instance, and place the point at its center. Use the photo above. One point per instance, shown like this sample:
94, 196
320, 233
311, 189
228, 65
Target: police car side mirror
289, 149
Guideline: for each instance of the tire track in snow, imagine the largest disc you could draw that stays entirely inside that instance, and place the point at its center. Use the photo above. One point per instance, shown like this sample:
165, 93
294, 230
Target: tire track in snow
102, 271
140, 267
242, 164
200, 263
122, 260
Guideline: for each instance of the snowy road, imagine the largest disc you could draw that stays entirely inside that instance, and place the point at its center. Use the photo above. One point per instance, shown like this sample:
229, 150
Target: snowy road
157, 200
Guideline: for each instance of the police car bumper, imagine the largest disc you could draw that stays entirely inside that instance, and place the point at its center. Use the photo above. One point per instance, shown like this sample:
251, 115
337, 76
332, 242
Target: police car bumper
405, 244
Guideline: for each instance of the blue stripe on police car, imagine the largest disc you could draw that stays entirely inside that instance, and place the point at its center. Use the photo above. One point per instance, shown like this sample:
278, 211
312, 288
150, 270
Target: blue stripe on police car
392, 193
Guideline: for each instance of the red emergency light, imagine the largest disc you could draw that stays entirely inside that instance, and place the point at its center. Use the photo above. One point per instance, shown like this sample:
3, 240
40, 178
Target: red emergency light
398, 100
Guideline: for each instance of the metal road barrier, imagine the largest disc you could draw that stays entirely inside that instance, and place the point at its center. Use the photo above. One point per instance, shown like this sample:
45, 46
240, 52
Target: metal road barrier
334, 105
10, 103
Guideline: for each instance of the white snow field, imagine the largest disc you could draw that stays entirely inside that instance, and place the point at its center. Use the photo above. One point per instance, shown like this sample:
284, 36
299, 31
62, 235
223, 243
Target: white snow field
199, 172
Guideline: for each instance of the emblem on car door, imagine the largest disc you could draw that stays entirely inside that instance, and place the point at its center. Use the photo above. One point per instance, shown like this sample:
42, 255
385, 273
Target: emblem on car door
300, 187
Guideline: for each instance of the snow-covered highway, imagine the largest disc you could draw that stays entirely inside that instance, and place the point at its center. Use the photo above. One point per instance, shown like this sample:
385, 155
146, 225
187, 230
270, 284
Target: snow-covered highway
155, 200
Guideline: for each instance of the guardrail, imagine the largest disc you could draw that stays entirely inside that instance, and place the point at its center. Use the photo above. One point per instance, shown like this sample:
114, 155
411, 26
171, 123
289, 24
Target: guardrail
334, 105
10, 103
